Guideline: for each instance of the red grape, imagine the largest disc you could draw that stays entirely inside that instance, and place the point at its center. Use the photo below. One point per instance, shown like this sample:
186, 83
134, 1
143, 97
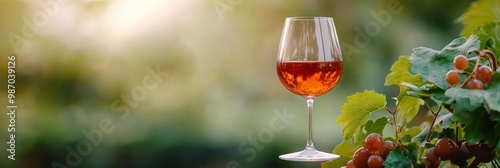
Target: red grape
436, 162
446, 149
452, 77
462, 156
375, 161
460, 62
426, 161
385, 149
360, 158
475, 84
484, 74
431, 163
482, 152
350, 164
464, 150
373, 142
431, 154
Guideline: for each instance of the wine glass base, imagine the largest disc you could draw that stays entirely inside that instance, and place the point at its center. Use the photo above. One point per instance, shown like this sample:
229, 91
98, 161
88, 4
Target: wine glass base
315, 156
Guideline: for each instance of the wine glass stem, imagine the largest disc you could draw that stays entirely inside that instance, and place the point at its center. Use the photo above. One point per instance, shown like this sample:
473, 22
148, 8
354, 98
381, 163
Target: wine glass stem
310, 102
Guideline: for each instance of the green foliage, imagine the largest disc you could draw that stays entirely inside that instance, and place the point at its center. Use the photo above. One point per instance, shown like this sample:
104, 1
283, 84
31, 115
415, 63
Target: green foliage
477, 125
433, 65
408, 107
375, 127
474, 99
404, 157
345, 150
357, 111
496, 76
444, 118
397, 159
342, 161
400, 73
480, 13
371, 127
469, 99
421, 136
489, 37
497, 127
412, 132
492, 96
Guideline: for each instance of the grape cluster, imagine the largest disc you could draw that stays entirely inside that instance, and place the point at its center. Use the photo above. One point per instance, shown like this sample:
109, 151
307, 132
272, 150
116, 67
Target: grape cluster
458, 154
481, 74
372, 154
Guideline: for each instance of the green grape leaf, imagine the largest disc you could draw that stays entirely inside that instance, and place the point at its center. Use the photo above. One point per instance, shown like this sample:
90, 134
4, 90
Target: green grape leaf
406, 139
414, 153
495, 116
421, 136
492, 96
473, 99
413, 131
479, 13
372, 127
346, 151
489, 35
439, 97
408, 107
396, 158
406, 157
423, 88
342, 161
433, 65
444, 118
492, 87
496, 76
477, 124
497, 129
376, 127
357, 110
400, 73
467, 99
447, 133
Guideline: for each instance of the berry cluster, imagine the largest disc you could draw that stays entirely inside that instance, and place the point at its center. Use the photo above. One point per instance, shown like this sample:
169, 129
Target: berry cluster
372, 154
447, 149
480, 75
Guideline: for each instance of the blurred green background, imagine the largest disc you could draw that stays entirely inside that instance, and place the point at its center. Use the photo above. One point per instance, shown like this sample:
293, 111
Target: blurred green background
80, 63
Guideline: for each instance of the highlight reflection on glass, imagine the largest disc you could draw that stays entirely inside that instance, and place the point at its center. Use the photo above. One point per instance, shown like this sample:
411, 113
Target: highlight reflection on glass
309, 64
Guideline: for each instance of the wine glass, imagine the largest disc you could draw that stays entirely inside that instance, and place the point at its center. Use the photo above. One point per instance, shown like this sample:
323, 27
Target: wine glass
309, 64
